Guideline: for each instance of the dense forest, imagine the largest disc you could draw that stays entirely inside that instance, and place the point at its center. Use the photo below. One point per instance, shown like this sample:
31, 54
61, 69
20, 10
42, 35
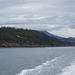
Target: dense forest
11, 37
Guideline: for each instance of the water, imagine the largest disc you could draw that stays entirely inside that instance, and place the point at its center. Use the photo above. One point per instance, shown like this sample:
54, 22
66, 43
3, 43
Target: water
37, 61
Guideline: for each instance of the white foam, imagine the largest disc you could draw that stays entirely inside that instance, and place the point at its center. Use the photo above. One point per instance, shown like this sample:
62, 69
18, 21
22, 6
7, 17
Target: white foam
46, 68
69, 70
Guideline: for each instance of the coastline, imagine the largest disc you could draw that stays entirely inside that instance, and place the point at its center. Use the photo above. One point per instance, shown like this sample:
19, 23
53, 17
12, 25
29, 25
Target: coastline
35, 46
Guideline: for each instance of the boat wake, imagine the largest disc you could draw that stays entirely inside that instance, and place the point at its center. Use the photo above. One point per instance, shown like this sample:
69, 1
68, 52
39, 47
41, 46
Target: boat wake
52, 67
69, 70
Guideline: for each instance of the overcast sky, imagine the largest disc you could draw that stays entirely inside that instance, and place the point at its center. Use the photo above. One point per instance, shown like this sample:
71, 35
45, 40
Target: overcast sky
55, 16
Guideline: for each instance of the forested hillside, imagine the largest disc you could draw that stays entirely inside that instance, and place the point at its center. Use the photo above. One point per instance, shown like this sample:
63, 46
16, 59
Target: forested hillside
11, 37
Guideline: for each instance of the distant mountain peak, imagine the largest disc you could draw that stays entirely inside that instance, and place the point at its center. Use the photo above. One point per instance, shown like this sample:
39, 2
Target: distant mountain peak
49, 34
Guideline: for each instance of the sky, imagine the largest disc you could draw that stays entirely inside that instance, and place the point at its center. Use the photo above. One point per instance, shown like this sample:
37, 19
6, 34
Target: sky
55, 16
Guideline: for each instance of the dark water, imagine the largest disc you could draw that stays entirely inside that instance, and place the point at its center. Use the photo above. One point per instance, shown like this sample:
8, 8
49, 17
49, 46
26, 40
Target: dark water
37, 61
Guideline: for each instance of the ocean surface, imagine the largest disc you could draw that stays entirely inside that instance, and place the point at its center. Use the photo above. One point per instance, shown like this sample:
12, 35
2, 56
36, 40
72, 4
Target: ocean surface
37, 61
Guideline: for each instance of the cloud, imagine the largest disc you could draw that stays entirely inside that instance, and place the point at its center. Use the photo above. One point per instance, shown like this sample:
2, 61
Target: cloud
49, 15
65, 32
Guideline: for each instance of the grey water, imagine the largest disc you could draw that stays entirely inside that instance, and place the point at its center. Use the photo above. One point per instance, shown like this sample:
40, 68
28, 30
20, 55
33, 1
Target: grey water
37, 61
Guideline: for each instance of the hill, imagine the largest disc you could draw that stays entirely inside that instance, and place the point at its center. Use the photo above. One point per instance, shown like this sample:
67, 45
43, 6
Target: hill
10, 37
49, 34
71, 39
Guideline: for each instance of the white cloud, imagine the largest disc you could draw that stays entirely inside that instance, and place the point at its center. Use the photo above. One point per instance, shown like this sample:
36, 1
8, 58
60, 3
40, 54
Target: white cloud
65, 32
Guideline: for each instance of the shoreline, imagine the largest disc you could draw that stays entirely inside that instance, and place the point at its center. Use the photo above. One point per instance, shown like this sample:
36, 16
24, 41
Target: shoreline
37, 47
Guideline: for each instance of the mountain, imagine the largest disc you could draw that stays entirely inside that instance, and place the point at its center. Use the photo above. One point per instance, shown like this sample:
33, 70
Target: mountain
71, 39
49, 34
10, 37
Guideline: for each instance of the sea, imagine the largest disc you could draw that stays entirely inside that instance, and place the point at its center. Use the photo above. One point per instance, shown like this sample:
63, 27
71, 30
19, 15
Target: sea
37, 61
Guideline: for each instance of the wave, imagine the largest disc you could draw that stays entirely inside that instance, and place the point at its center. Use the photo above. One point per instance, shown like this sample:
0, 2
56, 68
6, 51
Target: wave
48, 68
69, 70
